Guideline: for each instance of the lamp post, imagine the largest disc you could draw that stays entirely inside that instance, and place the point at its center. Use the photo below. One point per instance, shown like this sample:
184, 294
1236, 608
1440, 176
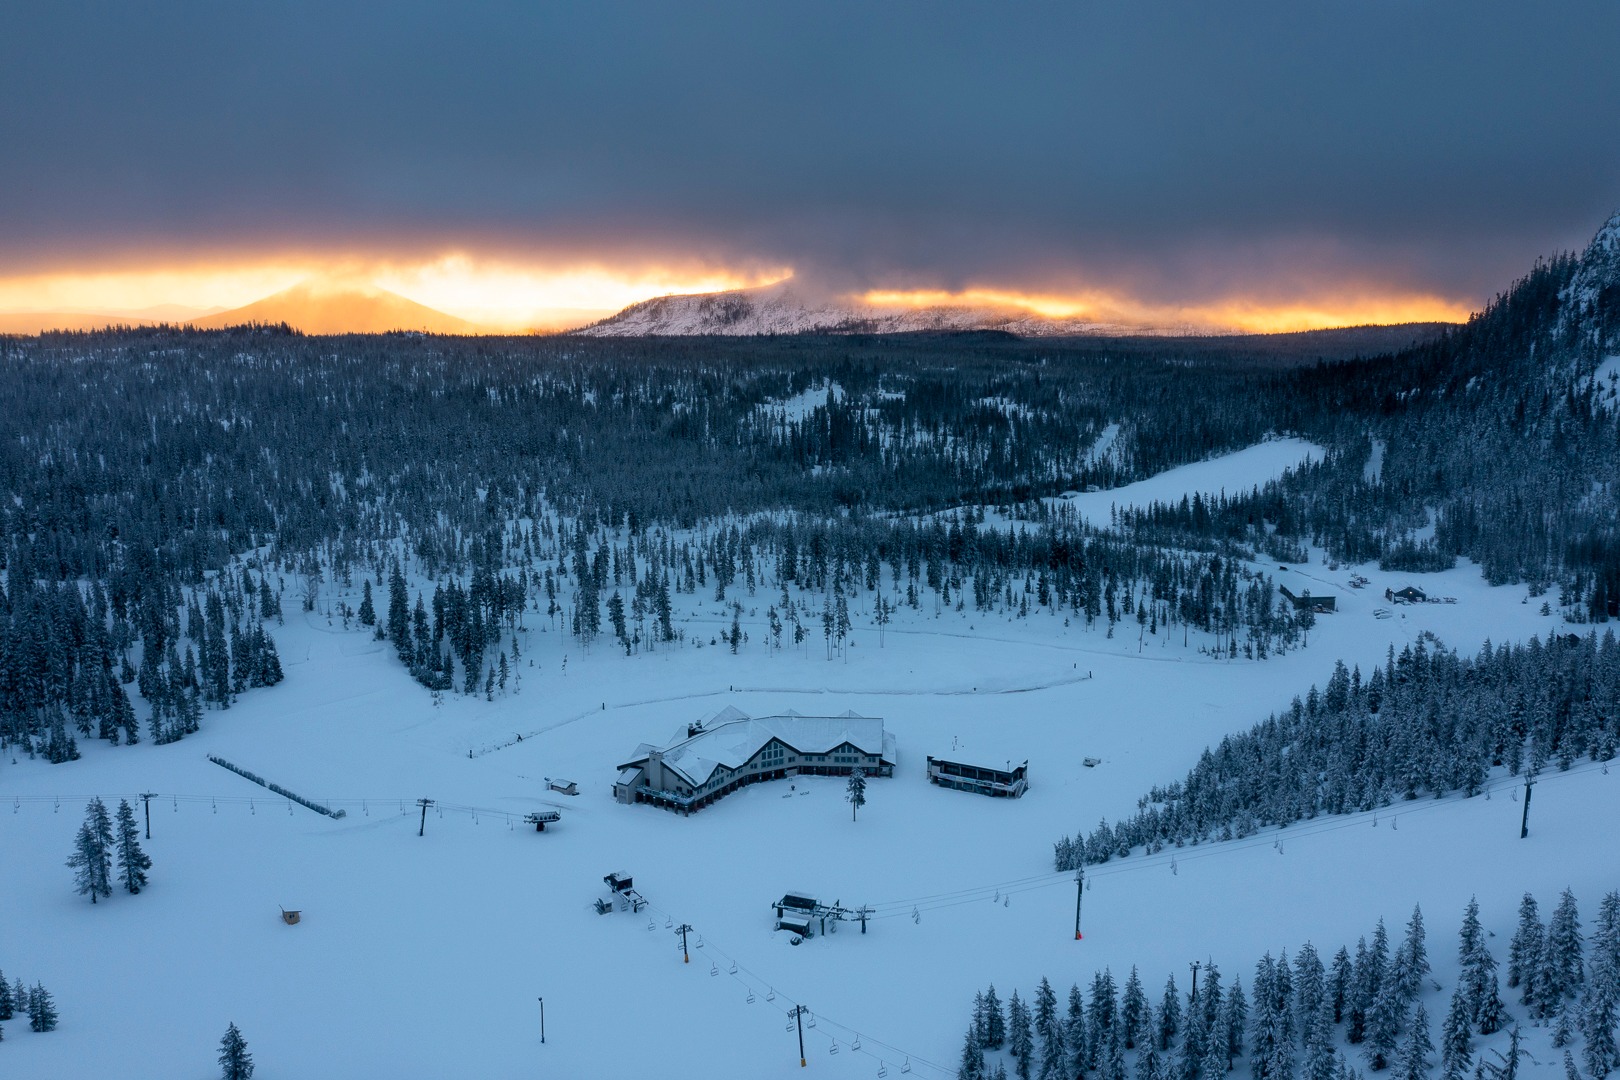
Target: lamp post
542, 1021
1079, 891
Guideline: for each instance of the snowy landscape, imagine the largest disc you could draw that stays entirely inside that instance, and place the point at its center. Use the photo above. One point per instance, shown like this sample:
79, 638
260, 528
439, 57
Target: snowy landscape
416, 955
738, 541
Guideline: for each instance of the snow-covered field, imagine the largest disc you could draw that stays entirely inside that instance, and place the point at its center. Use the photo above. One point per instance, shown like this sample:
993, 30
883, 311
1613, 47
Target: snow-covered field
425, 956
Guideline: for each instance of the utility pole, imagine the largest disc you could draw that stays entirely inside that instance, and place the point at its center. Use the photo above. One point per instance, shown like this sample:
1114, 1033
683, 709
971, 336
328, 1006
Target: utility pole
542, 1021
146, 804
1079, 891
798, 1016
1195, 966
424, 804
686, 956
1524, 822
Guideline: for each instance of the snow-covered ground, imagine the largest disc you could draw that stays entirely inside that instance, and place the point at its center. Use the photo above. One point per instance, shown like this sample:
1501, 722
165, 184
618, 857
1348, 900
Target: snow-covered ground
424, 956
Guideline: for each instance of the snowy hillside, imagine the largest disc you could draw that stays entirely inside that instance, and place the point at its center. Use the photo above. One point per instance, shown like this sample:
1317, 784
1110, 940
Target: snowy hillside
424, 956
784, 309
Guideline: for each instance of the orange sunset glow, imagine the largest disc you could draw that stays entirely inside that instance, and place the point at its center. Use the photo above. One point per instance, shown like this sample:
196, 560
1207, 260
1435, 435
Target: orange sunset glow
1232, 315
502, 296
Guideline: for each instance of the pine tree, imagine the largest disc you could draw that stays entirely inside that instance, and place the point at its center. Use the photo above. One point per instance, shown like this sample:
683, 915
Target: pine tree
1168, 1017
1524, 955
1478, 978
1236, 1018
1414, 1060
1456, 1037
995, 1024
41, 1009
1075, 1031
1340, 983
1570, 1071
235, 1063
1321, 1058
1601, 1004
1384, 1024
1020, 1040
1050, 1030
1360, 998
1560, 974
1310, 988
133, 863
5, 998
91, 859
972, 1066
856, 792
1411, 960
1134, 1012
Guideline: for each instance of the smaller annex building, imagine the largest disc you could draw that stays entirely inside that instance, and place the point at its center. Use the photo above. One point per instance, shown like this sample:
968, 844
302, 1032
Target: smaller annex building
712, 758
979, 773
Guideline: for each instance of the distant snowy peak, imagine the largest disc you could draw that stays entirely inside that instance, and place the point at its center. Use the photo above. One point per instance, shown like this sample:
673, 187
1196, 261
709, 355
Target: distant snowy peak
783, 309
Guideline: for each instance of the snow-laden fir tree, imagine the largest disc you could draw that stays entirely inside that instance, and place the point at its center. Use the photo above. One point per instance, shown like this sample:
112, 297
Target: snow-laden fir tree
1020, 1040
91, 860
41, 1009
1167, 1019
1457, 1037
1235, 1017
1048, 1026
1321, 1058
1600, 1005
235, 1063
1411, 962
995, 1024
133, 863
856, 792
1561, 972
1075, 1030
1478, 979
1101, 1021
1341, 981
1384, 1025
5, 998
1310, 988
1413, 1063
1360, 998
972, 1066
1135, 1014
1524, 954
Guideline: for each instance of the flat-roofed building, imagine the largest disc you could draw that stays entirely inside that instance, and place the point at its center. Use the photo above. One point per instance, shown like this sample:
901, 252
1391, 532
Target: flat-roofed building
980, 772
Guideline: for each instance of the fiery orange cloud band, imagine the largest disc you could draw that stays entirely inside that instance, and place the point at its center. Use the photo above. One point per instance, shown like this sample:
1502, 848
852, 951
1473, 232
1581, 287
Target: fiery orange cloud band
506, 296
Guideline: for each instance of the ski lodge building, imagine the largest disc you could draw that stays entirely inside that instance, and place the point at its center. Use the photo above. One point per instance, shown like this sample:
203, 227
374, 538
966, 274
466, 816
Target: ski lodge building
712, 758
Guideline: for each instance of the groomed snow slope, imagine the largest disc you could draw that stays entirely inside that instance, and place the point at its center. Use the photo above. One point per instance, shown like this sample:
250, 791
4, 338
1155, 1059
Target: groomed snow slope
423, 957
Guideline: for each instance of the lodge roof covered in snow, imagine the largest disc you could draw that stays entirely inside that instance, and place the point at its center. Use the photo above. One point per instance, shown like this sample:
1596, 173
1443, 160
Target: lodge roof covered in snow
730, 738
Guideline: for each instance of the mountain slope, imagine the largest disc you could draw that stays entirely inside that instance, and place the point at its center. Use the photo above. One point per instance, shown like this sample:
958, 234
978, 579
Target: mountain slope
324, 308
784, 309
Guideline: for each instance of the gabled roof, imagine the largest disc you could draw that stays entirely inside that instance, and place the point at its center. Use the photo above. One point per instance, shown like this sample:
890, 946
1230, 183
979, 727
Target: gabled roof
731, 737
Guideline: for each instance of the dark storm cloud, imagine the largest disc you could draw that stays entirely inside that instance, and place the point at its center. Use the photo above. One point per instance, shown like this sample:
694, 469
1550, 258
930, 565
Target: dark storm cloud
1178, 149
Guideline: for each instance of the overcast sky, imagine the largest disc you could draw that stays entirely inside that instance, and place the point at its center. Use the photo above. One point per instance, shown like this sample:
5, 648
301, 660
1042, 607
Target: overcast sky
1177, 150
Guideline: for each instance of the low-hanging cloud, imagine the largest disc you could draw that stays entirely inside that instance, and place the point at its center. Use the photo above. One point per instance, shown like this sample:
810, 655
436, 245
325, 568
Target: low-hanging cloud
1177, 152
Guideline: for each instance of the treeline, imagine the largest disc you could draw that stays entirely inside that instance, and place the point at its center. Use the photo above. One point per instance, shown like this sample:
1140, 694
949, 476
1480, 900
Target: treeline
1299, 1017
1426, 723
68, 651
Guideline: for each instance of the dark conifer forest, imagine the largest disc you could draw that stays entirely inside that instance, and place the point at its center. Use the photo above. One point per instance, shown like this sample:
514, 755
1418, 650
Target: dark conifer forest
169, 492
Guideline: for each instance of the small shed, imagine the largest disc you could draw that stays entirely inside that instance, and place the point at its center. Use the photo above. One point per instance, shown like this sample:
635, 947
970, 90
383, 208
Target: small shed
1405, 595
794, 912
565, 787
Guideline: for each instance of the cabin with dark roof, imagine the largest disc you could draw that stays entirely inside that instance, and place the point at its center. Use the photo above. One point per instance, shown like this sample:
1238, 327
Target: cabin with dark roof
1321, 605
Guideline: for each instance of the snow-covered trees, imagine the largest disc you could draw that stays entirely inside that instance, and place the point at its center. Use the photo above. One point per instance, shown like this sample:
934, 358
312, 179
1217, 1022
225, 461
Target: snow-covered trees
41, 1009
1600, 1007
1294, 1022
